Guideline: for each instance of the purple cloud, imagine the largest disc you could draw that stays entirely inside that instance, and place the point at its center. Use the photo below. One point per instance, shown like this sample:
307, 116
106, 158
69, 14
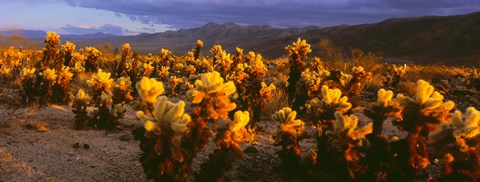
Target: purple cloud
283, 13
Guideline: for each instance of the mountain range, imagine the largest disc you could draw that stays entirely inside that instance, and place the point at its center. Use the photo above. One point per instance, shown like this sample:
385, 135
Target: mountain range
453, 40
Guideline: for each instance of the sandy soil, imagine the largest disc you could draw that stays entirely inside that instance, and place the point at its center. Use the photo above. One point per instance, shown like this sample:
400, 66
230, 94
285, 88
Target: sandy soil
61, 153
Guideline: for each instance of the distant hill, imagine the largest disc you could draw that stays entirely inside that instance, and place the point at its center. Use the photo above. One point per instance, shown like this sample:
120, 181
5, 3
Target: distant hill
453, 40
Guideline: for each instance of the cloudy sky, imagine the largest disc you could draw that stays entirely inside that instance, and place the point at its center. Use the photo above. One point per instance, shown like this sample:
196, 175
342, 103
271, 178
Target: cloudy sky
127, 17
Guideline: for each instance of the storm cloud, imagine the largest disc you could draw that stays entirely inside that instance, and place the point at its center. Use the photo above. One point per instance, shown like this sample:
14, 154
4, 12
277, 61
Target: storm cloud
282, 13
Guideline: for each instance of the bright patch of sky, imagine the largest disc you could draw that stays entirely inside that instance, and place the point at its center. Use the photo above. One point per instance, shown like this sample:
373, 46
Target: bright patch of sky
65, 19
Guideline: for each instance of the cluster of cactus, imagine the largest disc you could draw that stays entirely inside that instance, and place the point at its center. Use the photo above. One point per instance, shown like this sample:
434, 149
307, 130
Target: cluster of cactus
169, 153
291, 131
174, 134
298, 53
11, 63
109, 100
394, 75
49, 80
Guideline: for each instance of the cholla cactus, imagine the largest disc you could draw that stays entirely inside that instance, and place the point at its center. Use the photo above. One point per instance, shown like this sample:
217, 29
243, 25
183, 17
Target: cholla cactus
288, 137
421, 115
352, 84
228, 141
79, 104
149, 90
52, 38
343, 141
50, 75
384, 107
223, 63
267, 91
69, 49
148, 69
344, 132
312, 81
62, 84
394, 75
211, 94
298, 52
121, 90
126, 49
288, 123
174, 82
100, 81
299, 49
426, 104
332, 101
164, 73
458, 142
92, 62
165, 128
216, 51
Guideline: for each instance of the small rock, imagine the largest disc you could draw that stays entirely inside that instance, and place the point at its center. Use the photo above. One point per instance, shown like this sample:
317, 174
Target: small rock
251, 150
126, 137
76, 145
86, 146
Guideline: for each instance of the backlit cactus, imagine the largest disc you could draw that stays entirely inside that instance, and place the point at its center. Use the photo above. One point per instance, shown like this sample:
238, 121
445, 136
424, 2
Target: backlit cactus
212, 93
332, 101
228, 141
164, 128
343, 141
100, 81
344, 131
458, 142
149, 89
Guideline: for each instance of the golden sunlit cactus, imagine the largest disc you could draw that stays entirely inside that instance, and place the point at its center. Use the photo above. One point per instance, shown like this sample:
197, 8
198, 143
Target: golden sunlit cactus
212, 93
164, 73
100, 81
173, 83
223, 63
344, 131
79, 103
196, 51
126, 48
422, 114
332, 101
288, 136
299, 49
216, 51
92, 62
228, 141
312, 82
288, 123
298, 53
69, 49
458, 142
149, 90
62, 85
343, 142
427, 103
148, 69
50, 76
52, 38
164, 129
394, 75
121, 90
267, 91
